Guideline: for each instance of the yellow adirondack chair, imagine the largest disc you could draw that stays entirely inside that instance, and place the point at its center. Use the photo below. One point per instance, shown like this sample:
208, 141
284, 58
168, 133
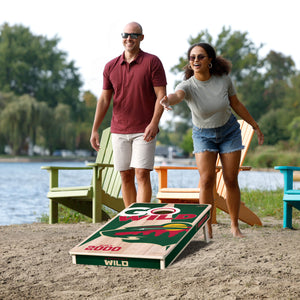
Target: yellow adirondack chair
191, 195
89, 200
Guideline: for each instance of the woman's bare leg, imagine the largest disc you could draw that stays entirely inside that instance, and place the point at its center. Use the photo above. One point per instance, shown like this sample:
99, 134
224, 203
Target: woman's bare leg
206, 163
230, 164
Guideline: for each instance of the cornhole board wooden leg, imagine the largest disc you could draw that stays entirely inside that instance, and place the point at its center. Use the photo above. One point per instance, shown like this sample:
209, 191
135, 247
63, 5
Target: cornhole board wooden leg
205, 232
144, 235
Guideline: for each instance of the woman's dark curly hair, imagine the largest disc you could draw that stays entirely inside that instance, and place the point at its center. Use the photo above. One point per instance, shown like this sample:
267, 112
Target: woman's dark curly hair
220, 65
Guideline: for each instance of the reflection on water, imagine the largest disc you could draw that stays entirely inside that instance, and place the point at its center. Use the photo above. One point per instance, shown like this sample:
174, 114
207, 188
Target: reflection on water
24, 186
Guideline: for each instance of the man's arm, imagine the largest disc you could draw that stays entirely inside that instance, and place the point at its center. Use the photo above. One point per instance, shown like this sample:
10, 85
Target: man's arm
152, 129
101, 110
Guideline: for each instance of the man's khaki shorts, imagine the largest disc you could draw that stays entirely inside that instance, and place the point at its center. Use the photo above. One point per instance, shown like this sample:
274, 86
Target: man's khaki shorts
132, 151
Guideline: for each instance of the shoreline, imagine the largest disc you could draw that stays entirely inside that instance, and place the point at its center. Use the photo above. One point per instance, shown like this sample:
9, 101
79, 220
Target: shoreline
177, 161
20, 159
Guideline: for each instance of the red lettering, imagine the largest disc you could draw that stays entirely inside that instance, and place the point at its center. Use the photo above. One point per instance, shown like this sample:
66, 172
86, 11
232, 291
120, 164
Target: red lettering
202, 221
98, 248
152, 217
103, 248
185, 216
116, 249
132, 218
90, 248
164, 217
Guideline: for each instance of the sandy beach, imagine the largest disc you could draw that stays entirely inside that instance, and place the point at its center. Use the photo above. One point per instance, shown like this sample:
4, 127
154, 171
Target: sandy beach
35, 264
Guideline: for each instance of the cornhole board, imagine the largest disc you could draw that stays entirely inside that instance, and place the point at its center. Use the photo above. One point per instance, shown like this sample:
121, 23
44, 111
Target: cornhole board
144, 235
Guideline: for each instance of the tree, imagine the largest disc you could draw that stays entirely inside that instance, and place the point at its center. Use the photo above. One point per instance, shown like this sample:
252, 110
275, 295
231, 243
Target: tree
274, 126
237, 48
34, 65
187, 142
294, 128
278, 66
19, 121
279, 69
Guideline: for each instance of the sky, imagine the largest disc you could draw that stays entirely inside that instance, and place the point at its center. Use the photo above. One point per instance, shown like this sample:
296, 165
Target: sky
90, 30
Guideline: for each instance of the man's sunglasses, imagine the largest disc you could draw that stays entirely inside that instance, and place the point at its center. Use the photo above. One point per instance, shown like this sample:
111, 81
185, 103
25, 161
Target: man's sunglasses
132, 35
199, 57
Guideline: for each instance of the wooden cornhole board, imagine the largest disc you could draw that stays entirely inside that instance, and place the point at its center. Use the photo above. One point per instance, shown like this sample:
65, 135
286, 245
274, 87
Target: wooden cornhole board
144, 235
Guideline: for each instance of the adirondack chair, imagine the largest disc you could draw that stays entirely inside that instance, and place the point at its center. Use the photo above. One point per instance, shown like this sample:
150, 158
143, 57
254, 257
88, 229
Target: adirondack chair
89, 200
291, 196
191, 195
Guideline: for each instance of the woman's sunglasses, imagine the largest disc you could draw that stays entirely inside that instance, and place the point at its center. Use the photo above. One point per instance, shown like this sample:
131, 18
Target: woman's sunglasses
199, 57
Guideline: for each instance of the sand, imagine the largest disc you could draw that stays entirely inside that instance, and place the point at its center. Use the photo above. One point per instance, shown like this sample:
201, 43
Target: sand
35, 264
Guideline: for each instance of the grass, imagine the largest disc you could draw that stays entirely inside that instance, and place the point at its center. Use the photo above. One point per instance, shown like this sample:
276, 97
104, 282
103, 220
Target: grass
66, 215
263, 203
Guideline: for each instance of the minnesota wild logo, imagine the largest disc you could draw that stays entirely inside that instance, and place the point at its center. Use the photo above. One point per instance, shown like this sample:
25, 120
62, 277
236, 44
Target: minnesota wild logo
163, 235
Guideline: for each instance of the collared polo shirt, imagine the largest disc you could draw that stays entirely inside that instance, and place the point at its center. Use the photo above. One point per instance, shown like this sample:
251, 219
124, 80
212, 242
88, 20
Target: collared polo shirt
134, 96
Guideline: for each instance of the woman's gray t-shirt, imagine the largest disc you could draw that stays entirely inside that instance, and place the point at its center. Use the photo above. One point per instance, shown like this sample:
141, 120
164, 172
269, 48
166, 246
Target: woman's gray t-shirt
208, 100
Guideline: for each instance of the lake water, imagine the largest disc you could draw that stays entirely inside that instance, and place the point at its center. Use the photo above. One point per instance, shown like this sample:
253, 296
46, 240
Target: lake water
24, 186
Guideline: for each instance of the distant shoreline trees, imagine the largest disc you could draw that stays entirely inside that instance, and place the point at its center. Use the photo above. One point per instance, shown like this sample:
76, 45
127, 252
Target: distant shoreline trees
41, 101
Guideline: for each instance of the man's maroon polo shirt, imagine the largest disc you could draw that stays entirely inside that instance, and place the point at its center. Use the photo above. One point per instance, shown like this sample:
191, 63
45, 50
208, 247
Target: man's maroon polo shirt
134, 96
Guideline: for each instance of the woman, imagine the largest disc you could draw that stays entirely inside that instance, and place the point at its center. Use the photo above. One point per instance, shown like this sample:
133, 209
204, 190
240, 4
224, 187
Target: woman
210, 95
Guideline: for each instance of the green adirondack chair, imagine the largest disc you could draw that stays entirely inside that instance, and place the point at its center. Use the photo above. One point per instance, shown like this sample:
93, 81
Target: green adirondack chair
89, 200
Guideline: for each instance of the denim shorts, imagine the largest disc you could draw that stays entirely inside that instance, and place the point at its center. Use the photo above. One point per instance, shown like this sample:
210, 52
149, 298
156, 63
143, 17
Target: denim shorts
224, 139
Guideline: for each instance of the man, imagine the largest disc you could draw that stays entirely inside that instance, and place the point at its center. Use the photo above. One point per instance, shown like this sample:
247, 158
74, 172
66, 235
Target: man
137, 82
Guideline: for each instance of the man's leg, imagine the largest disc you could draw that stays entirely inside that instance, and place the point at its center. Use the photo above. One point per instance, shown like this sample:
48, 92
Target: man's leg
143, 162
122, 149
144, 185
128, 187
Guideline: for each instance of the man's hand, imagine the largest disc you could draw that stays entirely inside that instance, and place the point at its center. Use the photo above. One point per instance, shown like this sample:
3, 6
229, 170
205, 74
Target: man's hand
94, 140
150, 133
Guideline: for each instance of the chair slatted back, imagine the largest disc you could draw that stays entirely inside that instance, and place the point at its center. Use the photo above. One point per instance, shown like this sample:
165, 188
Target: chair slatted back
247, 134
111, 179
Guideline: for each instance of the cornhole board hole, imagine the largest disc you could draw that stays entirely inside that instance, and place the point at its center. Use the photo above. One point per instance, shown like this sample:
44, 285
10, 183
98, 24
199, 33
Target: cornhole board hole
144, 235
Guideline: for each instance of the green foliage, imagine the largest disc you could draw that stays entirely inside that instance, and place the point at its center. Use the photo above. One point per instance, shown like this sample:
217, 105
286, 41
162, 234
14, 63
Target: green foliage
41, 101
19, 121
274, 125
278, 66
187, 142
294, 129
270, 156
67, 215
34, 65
269, 87
40, 95
264, 203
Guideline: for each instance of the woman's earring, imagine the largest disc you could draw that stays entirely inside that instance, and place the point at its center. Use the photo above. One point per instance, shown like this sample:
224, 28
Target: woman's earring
189, 67
209, 65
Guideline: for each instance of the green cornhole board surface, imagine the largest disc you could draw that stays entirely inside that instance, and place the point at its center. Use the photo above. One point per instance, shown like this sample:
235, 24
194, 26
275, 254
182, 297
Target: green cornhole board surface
144, 235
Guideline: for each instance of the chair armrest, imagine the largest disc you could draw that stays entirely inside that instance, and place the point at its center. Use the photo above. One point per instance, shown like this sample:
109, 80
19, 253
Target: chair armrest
50, 168
100, 165
175, 168
287, 172
54, 171
245, 168
287, 168
163, 173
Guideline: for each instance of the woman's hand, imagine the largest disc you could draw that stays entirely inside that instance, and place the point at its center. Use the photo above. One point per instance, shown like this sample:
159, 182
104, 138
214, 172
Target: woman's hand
165, 103
260, 136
